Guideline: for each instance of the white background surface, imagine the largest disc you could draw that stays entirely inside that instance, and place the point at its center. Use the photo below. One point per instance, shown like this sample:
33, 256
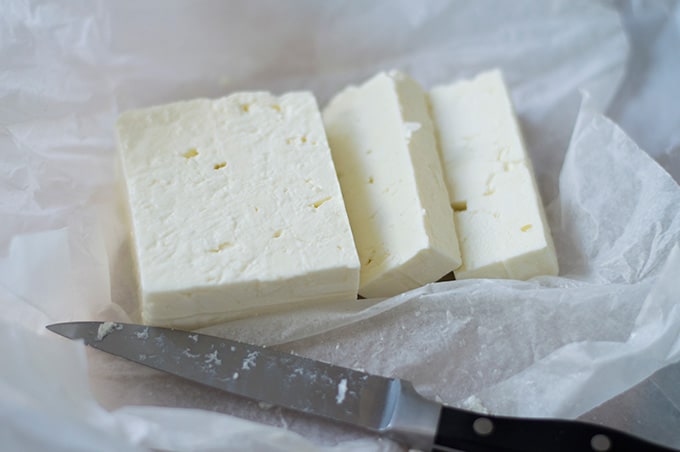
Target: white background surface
552, 346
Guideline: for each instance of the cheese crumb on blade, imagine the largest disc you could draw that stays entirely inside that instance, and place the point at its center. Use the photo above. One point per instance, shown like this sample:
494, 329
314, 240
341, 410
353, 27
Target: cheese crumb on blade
235, 208
384, 149
499, 215
107, 328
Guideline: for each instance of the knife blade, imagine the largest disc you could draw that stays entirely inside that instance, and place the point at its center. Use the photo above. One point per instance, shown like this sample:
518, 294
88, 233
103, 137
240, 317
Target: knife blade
386, 406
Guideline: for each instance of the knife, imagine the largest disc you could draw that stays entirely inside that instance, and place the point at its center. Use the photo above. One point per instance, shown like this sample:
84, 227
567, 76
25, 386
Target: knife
386, 406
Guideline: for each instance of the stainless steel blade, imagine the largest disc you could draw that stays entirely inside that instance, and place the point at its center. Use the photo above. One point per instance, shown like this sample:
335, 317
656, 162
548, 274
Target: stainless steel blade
382, 405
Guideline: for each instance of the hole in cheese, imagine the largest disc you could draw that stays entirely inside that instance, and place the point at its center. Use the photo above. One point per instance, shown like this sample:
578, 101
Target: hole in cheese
219, 165
277, 107
459, 206
190, 153
221, 247
301, 140
245, 107
318, 203
526, 227
370, 180
277, 234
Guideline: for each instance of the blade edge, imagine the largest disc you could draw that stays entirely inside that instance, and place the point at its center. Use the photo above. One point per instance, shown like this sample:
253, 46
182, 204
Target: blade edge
332, 392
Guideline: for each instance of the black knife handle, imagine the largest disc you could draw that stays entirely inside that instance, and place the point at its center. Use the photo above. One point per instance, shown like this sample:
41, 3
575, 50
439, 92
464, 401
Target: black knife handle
461, 430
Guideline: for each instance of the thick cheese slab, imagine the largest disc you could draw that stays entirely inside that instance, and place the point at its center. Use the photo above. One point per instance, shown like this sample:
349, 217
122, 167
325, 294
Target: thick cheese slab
502, 229
384, 148
235, 208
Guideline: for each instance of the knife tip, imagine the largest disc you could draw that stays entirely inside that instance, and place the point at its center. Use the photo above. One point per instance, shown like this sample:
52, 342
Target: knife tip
74, 330
57, 328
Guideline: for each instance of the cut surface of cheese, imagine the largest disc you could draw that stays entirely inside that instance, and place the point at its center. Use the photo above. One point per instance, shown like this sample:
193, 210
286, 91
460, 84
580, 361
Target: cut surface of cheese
385, 153
501, 223
235, 208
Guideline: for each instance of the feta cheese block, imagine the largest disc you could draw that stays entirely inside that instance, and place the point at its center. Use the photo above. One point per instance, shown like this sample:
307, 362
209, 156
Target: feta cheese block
385, 153
235, 208
501, 223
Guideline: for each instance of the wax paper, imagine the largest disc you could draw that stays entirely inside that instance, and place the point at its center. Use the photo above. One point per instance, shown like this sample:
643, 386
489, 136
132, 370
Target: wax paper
551, 346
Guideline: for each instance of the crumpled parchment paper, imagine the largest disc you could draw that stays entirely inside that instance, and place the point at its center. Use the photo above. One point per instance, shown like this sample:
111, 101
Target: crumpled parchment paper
552, 346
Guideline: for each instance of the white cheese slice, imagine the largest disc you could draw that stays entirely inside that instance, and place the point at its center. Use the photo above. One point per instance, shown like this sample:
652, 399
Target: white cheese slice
385, 153
501, 224
235, 208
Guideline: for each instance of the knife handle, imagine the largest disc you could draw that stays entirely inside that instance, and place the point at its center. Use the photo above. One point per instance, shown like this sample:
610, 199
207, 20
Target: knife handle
461, 430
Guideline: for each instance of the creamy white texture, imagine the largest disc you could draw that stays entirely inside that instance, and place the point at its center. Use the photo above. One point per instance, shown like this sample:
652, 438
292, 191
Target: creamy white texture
235, 208
107, 328
384, 148
342, 391
501, 224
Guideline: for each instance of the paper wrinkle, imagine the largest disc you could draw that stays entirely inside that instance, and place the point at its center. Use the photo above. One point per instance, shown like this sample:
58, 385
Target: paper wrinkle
596, 369
607, 322
651, 82
45, 393
612, 237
